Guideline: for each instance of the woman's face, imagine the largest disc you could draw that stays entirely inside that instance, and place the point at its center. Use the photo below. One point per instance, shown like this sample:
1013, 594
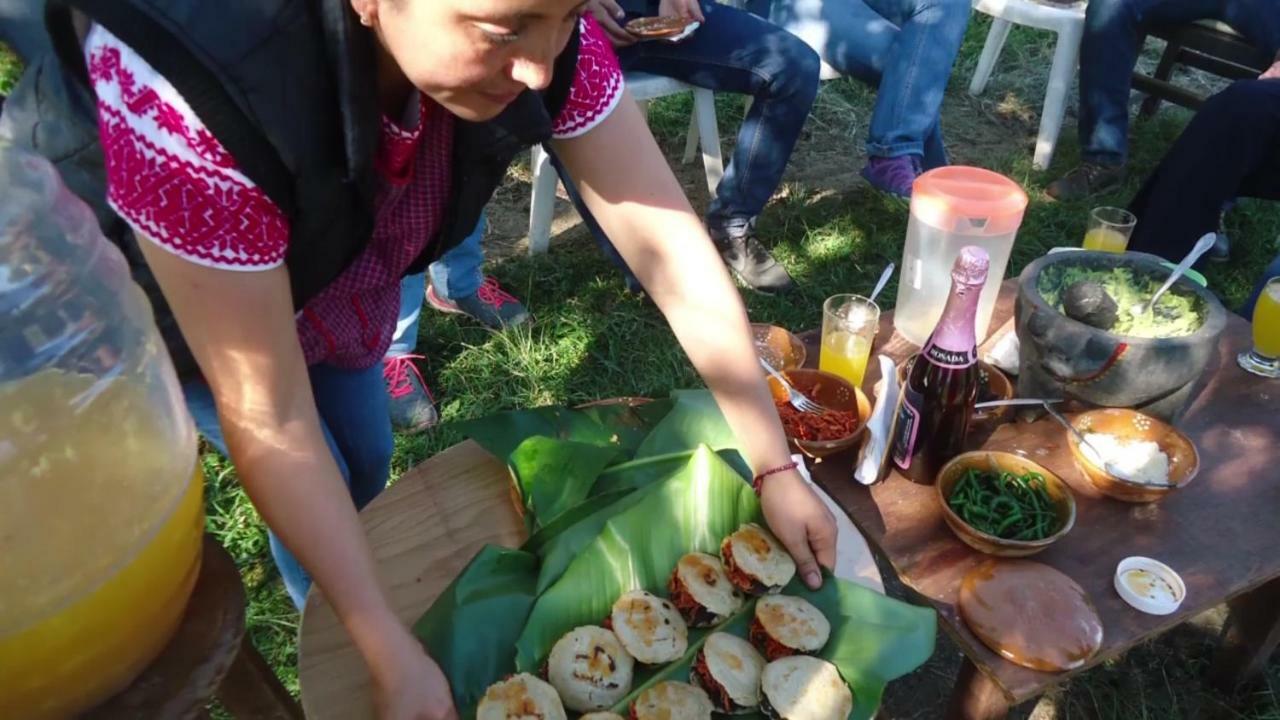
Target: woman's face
474, 56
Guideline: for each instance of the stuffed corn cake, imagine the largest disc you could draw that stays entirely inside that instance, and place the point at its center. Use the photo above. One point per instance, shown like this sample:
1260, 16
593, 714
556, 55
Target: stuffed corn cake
784, 625
728, 668
755, 561
520, 697
590, 669
672, 701
650, 628
804, 688
700, 589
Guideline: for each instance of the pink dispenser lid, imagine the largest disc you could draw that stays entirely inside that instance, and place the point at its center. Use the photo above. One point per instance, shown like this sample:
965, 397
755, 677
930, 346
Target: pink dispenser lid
969, 200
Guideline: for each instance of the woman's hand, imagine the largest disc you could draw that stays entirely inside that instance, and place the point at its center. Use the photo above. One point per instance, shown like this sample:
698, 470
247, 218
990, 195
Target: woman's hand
1273, 72
802, 522
610, 15
409, 685
689, 9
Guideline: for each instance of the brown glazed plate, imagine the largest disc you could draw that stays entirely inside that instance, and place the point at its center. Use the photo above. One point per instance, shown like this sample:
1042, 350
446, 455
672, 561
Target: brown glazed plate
655, 28
1031, 614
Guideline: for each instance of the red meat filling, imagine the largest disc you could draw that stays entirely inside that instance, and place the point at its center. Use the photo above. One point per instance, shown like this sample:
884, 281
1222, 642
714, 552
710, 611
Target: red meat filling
693, 611
738, 576
718, 694
766, 644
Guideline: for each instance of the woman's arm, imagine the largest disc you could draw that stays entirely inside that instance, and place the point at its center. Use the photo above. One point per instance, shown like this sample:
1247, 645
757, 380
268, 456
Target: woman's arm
646, 215
240, 327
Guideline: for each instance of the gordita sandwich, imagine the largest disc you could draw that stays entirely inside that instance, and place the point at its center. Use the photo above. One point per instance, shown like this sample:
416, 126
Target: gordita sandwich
784, 625
755, 561
729, 669
701, 591
804, 688
649, 628
671, 701
520, 697
590, 669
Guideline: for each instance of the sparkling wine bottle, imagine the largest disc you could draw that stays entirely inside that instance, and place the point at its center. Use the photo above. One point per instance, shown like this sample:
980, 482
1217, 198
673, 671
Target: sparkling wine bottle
938, 398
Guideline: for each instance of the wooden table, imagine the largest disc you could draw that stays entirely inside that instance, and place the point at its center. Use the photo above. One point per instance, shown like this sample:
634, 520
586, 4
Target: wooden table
423, 531
1220, 532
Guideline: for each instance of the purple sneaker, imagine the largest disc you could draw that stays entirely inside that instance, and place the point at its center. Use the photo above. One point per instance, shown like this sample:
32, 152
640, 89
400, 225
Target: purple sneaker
893, 175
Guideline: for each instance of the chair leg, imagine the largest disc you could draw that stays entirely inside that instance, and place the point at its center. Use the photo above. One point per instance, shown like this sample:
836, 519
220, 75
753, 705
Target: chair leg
691, 140
1065, 55
990, 54
542, 205
1164, 70
704, 109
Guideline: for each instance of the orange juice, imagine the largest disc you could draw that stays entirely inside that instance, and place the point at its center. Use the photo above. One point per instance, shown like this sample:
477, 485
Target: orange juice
845, 354
102, 525
1105, 240
1266, 321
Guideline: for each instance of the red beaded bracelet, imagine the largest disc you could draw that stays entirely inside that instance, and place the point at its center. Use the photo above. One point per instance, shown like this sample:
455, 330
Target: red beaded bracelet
757, 483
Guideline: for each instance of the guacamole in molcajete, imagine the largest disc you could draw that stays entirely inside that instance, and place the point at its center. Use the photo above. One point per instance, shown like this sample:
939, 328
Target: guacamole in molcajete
1177, 314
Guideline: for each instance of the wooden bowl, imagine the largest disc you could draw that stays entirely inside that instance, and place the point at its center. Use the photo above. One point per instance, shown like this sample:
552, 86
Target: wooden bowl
831, 391
779, 347
1064, 502
1184, 460
995, 386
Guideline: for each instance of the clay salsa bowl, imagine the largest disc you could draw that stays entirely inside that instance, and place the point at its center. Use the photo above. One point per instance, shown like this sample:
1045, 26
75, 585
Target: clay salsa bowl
830, 391
994, 385
1131, 425
1064, 503
781, 348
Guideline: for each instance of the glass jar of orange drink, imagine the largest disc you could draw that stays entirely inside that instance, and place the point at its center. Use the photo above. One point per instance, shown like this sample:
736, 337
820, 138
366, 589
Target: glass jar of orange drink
101, 513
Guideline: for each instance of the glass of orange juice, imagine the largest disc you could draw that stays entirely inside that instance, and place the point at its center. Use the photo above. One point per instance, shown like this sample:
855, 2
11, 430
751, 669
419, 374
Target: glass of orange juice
1109, 229
849, 325
1264, 358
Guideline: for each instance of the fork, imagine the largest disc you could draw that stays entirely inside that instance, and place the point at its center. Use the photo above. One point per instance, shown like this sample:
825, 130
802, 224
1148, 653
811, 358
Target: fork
794, 396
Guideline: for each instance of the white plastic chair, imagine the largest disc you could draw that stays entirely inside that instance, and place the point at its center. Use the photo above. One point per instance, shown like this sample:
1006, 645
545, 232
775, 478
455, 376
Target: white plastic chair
1068, 22
644, 87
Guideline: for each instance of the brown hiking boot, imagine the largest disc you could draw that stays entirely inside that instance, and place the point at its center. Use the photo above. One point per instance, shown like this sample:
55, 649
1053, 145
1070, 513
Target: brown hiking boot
1086, 179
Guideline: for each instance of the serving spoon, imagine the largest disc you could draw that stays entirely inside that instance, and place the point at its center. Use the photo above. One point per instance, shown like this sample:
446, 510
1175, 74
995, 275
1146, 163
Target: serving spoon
884, 280
1201, 247
1106, 465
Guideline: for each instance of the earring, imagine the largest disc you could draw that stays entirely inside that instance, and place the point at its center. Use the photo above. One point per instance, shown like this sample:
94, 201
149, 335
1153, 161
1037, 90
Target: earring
365, 20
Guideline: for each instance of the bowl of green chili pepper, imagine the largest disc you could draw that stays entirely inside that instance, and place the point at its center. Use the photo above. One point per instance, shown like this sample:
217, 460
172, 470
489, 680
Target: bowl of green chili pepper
1004, 504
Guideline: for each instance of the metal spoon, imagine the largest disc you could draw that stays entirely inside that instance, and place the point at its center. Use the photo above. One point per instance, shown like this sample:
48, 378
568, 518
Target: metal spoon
1109, 467
884, 280
1014, 401
1201, 247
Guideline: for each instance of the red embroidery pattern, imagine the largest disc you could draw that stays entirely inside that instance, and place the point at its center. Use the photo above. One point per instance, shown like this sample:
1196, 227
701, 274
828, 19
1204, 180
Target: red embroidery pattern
396, 152
193, 210
105, 66
596, 88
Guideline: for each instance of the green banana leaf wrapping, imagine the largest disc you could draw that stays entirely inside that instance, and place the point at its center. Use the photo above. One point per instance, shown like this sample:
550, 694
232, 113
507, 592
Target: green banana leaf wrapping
600, 529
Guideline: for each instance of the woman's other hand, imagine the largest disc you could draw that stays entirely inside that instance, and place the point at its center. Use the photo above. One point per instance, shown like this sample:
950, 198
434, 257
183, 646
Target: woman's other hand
688, 9
408, 684
611, 17
802, 522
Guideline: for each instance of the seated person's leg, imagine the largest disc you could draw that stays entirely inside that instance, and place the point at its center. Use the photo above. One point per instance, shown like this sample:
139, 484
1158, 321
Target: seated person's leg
738, 52
459, 285
1108, 53
1231, 148
904, 47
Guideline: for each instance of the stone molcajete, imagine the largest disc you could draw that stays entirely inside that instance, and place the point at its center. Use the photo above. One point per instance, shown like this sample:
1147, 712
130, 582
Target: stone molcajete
1062, 357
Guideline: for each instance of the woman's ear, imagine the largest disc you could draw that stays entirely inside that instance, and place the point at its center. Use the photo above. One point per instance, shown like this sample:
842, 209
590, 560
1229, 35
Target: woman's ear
366, 10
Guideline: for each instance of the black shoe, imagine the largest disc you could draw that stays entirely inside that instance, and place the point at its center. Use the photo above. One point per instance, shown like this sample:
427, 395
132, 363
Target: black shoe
750, 261
1086, 179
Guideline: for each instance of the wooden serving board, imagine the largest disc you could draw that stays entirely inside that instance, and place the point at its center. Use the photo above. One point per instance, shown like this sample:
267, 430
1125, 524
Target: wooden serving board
423, 531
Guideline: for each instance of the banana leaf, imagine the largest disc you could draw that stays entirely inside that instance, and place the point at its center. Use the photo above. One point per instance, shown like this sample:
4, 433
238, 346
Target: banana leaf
620, 426
874, 639
539, 541
694, 420
632, 423
692, 510
556, 475
470, 628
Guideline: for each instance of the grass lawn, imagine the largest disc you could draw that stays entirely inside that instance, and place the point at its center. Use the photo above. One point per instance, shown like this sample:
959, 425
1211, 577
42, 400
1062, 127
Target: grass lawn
592, 340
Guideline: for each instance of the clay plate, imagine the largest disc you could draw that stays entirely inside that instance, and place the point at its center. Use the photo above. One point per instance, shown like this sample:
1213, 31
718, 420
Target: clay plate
656, 28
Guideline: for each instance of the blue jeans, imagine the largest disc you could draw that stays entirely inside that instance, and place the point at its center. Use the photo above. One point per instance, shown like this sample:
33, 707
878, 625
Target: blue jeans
903, 47
1109, 52
456, 274
737, 52
353, 414
1230, 149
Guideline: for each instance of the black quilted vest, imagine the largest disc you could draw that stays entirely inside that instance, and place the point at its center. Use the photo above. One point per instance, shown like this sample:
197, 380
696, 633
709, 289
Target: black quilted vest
288, 88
